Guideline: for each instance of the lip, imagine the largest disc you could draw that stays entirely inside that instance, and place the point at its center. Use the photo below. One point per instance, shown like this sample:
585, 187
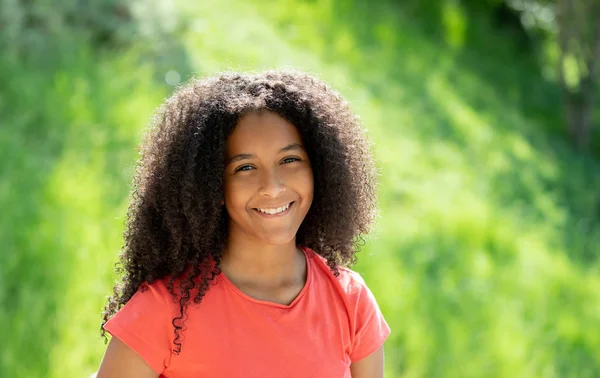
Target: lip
282, 214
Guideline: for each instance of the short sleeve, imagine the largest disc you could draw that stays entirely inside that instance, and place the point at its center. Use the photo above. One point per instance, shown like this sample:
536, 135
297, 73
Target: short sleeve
144, 324
371, 329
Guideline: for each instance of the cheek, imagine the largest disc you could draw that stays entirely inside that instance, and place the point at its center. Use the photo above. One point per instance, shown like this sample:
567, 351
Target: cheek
303, 182
308, 187
236, 193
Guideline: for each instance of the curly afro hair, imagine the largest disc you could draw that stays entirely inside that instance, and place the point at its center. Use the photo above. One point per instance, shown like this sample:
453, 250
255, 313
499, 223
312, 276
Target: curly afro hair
176, 225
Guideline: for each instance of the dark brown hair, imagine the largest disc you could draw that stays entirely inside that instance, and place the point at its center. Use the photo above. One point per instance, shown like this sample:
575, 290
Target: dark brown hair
176, 224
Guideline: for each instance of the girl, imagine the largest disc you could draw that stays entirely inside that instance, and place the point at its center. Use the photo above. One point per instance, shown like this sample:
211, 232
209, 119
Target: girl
248, 199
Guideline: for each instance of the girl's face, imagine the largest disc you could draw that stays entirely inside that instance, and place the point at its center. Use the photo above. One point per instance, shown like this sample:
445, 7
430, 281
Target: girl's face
268, 179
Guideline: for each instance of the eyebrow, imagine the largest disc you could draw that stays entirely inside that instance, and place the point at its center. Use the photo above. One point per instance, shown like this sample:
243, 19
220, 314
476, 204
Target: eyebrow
289, 147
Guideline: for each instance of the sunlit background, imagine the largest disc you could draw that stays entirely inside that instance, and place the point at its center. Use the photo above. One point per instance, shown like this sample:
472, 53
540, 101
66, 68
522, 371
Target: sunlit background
485, 261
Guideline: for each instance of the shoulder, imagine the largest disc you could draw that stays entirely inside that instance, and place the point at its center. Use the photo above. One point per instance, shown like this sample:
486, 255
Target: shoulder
144, 323
359, 301
349, 282
157, 291
152, 302
367, 325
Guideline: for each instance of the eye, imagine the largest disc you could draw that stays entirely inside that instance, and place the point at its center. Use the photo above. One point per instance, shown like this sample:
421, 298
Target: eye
244, 168
290, 160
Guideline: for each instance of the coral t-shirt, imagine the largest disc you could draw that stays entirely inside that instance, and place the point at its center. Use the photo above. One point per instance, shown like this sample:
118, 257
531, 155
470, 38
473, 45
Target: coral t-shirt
333, 322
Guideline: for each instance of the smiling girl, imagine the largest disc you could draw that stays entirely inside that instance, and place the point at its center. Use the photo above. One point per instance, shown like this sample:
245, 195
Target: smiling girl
249, 198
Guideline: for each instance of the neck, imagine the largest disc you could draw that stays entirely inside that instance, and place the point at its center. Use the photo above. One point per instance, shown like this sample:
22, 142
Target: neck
255, 261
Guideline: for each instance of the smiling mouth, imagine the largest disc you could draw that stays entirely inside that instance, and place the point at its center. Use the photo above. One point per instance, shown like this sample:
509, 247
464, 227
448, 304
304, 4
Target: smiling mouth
269, 213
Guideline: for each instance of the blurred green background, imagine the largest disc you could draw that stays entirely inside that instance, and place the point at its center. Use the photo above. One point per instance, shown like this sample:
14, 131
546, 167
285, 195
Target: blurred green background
485, 262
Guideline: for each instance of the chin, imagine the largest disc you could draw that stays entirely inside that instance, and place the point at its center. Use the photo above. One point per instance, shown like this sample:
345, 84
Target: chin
281, 239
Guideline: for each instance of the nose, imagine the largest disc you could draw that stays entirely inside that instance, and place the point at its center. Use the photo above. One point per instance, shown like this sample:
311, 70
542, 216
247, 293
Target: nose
271, 183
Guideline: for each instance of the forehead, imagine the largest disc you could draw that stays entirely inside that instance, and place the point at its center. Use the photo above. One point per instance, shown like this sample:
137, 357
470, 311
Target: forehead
261, 132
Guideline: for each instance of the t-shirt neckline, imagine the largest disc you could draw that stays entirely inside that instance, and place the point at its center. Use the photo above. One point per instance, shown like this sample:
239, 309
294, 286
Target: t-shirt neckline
273, 304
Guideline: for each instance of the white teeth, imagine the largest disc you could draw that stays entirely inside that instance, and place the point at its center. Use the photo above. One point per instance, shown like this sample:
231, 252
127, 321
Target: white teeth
275, 211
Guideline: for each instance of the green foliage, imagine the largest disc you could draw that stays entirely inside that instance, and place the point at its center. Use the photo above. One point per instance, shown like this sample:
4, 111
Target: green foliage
33, 27
486, 258
67, 146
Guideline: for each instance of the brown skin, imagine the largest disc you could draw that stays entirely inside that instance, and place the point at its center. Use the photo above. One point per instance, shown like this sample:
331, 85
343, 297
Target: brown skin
370, 366
271, 169
120, 361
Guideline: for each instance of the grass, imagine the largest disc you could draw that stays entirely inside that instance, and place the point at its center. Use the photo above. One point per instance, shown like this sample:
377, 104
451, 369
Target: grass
485, 260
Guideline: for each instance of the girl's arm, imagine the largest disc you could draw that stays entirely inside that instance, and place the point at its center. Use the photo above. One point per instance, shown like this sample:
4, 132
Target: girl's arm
120, 361
370, 366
